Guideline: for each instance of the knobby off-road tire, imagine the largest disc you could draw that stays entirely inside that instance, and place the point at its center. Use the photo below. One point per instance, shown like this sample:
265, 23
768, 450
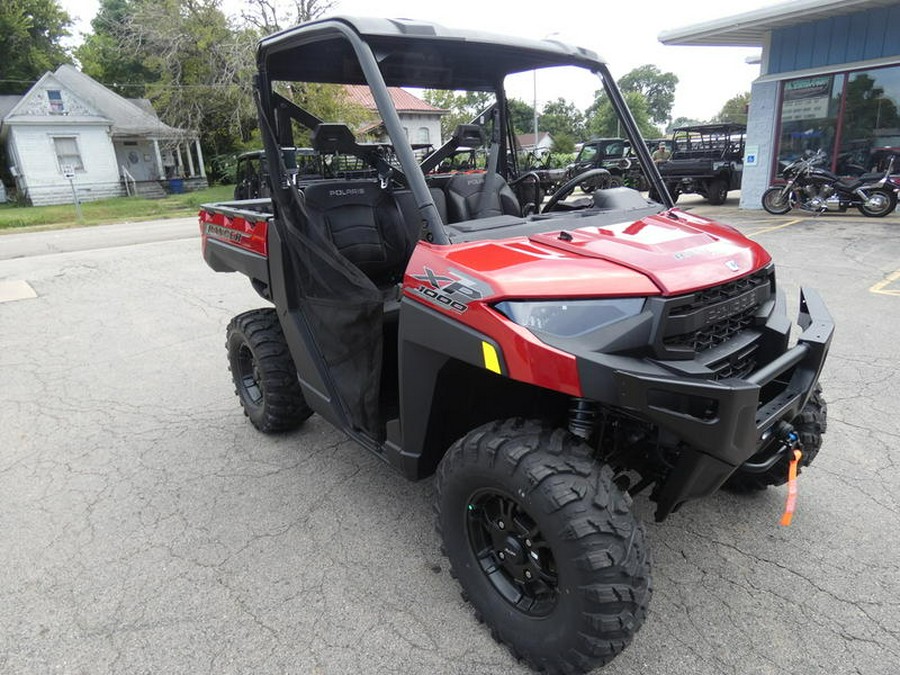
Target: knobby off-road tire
263, 372
810, 425
543, 544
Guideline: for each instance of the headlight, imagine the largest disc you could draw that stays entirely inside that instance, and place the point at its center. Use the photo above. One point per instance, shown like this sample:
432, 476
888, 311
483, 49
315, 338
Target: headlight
569, 318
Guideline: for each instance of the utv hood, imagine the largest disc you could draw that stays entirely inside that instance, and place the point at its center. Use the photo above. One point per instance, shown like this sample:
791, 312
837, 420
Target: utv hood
677, 251
671, 253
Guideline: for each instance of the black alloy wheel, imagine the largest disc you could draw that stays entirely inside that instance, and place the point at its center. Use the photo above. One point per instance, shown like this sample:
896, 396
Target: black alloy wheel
543, 543
512, 552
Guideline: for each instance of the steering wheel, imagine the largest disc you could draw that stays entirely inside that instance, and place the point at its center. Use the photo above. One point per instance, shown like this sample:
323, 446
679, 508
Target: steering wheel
566, 188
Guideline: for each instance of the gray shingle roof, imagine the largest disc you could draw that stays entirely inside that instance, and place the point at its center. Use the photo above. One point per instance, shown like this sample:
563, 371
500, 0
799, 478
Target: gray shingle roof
128, 118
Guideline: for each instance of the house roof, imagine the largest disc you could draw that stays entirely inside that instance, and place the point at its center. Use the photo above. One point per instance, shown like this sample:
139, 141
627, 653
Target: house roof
525, 140
7, 103
402, 99
751, 28
127, 118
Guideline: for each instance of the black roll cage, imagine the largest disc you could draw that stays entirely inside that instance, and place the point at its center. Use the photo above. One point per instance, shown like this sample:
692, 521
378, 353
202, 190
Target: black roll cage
419, 47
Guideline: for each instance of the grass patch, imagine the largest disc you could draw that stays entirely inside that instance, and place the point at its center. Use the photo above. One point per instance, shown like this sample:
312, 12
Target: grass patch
118, 210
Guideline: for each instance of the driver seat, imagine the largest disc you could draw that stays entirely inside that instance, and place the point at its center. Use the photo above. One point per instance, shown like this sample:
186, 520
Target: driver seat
364, 223
466, 201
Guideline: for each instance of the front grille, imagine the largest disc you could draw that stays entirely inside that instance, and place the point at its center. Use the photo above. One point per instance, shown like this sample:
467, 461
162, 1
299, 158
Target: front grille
696, 323
714, 334
716, 294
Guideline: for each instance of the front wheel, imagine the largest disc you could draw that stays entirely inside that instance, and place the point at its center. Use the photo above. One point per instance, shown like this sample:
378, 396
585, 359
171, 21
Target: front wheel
776, 201
265, 378
878, 203
544, 544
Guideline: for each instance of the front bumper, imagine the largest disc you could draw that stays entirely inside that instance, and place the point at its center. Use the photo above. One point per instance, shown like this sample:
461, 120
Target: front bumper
723, 422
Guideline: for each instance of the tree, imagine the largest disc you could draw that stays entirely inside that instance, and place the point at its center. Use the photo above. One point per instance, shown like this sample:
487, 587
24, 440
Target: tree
196, 66
735, 109
602, 120
30, 42
522, 116
268, 19
102, 57
462, 106
682, 122
561, 118
657, 87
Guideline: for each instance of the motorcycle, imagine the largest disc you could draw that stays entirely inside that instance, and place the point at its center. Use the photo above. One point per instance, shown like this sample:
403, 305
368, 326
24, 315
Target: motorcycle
810, 187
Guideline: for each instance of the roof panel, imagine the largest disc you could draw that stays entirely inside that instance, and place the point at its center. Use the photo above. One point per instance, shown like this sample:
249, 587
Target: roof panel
750, 28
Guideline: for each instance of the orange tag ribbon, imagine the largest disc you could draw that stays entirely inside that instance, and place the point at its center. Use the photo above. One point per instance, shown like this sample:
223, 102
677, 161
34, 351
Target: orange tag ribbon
791, 504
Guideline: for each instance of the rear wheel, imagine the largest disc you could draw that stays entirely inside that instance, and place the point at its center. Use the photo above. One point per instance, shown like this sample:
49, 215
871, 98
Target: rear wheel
615, 181
544, 544
263, 372
879, 203
775, 201
717, 192
810, 424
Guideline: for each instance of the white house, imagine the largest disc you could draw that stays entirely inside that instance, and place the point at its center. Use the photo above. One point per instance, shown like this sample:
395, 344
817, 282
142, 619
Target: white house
68, 124
421, 121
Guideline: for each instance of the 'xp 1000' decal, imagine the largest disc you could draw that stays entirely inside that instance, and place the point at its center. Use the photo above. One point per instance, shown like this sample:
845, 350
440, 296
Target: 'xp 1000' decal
454, 292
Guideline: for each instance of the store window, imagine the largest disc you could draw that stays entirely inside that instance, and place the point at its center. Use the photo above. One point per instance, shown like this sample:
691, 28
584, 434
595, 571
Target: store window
871, 129
809, 115
854, 117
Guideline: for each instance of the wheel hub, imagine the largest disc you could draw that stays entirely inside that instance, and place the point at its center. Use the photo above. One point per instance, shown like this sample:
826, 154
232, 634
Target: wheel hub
512, 553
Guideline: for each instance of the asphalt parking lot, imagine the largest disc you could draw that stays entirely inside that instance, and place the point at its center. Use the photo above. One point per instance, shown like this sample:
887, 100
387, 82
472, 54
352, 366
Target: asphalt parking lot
147, 527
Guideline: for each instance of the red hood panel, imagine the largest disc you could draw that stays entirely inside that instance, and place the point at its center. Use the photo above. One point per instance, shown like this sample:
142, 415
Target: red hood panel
679, 254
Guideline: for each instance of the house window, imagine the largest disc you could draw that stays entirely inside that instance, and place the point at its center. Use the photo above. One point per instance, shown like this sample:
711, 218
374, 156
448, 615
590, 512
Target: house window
56, 103
424, 135
67, 153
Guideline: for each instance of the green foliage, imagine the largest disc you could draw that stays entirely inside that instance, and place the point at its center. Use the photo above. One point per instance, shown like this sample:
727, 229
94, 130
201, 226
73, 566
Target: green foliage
682, 122
110, 210
562, 120
101, 56
603, 122
30, 35
522, 116
462, 106
560, 160
735, 109
657, 87
563, 143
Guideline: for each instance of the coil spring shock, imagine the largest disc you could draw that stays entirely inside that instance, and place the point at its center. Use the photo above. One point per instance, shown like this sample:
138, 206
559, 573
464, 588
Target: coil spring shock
583, 415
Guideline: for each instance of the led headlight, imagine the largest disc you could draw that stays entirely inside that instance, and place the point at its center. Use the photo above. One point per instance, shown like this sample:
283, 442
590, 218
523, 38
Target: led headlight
569, 318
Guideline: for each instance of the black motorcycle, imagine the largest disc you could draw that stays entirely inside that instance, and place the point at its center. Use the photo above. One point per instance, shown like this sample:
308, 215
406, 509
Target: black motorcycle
810, 187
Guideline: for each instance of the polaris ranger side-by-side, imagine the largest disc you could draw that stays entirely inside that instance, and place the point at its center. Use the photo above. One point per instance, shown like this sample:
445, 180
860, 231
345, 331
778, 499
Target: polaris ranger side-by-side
545, 362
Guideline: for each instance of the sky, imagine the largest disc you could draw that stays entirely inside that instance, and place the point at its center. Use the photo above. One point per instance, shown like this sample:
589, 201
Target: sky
622, 32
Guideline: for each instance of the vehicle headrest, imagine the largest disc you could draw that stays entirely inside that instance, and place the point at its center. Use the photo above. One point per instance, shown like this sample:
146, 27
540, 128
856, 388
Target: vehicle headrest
333, 138
470, 135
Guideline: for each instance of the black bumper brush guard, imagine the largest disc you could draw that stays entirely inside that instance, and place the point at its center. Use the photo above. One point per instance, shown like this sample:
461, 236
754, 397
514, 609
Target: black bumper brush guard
723, 422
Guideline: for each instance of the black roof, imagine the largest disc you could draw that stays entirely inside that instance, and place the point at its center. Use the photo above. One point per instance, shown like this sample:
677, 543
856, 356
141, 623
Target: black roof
724, 127
409, 53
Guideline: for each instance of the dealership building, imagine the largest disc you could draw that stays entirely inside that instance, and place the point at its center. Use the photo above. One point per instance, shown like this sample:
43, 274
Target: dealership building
829, 80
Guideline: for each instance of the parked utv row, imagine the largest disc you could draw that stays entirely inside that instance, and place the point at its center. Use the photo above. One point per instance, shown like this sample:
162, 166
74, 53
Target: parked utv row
544, 362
